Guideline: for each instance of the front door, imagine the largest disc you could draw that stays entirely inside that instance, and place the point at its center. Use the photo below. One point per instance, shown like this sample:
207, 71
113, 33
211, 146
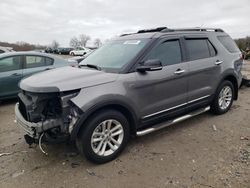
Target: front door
163, 91
11, 73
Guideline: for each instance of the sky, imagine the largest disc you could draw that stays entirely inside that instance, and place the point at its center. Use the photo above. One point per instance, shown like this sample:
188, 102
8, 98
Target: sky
42, 21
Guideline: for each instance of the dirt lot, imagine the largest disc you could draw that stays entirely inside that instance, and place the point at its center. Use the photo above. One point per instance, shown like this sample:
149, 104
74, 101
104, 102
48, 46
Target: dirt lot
206, 151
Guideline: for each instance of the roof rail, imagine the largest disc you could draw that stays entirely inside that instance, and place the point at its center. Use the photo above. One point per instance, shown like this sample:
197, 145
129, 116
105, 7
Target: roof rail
198, 29
165, 29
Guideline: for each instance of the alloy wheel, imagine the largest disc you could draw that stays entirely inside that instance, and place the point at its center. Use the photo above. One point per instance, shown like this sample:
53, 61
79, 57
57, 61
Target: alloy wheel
107, 137
225, 97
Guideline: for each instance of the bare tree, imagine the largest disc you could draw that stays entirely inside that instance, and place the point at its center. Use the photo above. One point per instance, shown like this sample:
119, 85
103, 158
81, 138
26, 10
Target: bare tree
55, 44
74, 42
83, 39
97, 42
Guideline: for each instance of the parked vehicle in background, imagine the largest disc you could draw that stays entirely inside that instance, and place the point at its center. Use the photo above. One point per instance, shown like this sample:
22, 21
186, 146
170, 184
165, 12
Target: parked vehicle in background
79, 51
132, 85
76, 59
16, 65
5, 49
64, 51
49, 50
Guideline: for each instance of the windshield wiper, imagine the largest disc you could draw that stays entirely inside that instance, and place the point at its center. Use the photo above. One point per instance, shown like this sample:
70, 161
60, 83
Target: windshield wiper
91, 66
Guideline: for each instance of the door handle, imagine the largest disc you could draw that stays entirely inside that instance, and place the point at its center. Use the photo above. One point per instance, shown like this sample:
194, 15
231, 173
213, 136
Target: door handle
179, 71
16, 74
218, 62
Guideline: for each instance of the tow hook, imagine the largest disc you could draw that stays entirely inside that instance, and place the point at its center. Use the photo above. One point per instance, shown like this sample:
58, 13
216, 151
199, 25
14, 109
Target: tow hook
29, 140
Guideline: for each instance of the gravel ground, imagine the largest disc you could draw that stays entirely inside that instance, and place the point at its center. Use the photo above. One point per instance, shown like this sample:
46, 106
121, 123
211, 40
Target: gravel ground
206, 151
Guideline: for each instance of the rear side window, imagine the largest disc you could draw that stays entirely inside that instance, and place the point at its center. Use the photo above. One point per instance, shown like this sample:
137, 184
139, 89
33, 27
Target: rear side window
38, 61
49, 61
211, 49
168, 53
199, 49
228, 43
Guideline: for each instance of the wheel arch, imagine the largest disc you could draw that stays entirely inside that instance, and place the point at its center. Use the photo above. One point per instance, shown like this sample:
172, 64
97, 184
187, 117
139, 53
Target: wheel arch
233, 80
126, 110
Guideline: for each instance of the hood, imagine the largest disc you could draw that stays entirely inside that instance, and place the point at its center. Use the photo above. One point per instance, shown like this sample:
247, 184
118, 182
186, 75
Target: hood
65, 79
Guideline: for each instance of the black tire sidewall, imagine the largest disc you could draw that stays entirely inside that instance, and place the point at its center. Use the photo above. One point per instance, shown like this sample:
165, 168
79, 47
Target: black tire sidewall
84, 141
215, 104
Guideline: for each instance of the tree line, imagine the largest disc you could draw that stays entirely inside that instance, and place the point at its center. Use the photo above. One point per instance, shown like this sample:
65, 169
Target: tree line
243, 43
80, 41
22, 46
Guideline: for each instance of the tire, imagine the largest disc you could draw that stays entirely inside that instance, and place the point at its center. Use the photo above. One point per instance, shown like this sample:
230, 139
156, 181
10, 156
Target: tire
72, 54
223, 99
93, 150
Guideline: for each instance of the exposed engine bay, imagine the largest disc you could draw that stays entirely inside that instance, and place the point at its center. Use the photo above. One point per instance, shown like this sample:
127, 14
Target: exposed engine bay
49, 114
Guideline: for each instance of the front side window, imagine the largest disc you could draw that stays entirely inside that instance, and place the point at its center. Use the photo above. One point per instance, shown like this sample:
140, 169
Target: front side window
36, 61
114, 55
168, 53
10, 64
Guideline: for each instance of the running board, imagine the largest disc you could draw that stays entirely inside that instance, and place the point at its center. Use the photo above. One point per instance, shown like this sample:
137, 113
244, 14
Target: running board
171, 122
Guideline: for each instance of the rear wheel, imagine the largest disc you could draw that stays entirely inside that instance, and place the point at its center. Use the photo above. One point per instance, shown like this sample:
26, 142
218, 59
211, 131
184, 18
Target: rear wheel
104, 137
223, 98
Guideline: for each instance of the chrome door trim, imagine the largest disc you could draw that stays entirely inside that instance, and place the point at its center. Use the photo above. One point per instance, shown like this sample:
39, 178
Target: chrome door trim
206, 96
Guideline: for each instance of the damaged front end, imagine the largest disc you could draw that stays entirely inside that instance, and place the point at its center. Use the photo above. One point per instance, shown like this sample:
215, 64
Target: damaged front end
48, 115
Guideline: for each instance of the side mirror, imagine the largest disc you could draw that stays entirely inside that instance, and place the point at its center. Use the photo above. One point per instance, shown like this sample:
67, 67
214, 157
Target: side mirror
150, 65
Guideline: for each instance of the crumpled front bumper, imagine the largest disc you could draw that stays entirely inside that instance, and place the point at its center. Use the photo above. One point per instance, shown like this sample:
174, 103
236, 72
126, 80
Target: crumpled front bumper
29, 128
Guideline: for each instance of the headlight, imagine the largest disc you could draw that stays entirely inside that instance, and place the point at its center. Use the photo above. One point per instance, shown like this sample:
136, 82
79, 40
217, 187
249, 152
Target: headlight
66, 96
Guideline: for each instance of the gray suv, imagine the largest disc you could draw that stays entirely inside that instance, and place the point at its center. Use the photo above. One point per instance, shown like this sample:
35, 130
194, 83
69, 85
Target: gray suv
133, 85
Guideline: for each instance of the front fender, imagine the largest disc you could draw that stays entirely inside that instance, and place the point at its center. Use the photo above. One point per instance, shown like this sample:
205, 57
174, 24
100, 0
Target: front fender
108, 103
92, 99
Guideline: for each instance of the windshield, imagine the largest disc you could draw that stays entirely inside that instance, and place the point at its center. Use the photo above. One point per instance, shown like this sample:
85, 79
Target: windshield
115, 54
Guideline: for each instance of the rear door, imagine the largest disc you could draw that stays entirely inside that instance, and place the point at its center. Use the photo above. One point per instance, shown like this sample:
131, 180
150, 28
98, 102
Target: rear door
204, 68
164, 91
11, 73
34, 64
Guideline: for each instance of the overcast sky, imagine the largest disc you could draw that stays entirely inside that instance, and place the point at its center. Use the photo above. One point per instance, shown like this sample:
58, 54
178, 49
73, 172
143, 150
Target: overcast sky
41, 21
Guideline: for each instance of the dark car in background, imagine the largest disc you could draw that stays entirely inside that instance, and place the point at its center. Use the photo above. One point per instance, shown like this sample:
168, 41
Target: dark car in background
49, 50
17, 65
64, 51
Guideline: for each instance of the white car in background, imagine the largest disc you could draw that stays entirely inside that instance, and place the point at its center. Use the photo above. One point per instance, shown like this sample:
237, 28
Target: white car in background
79, 51
5, 49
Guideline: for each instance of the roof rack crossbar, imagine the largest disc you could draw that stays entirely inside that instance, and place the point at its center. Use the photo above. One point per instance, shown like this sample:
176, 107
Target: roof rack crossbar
158, 29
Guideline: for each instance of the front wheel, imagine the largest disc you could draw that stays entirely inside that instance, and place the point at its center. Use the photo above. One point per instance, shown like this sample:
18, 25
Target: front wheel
223, 98
104, 137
